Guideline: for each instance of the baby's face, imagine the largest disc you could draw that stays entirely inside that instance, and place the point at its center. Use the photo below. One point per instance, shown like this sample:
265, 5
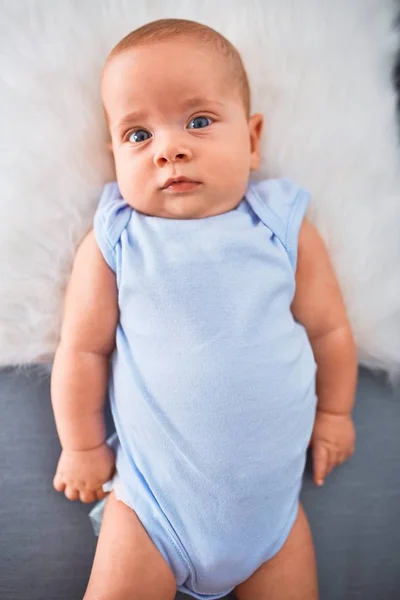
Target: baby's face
175, 115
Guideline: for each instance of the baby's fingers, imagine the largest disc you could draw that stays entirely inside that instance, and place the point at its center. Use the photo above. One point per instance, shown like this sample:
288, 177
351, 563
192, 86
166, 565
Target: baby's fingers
71, 493
340, 458
321, 463
58, 484
87, 496
343, 457
100, 494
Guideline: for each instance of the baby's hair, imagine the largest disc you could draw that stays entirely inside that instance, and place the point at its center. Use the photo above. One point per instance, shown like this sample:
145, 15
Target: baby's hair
165, 29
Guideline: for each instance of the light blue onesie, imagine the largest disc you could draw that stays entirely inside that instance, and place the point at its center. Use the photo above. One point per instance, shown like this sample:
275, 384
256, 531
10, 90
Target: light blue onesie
212, 382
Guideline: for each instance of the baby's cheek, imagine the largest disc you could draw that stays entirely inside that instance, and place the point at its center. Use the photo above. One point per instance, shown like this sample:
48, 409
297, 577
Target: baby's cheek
234, 168
128, 176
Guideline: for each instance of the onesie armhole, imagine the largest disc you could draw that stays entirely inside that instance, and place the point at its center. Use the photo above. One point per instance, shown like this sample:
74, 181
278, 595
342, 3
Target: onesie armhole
281, 205
295, 220
111, 217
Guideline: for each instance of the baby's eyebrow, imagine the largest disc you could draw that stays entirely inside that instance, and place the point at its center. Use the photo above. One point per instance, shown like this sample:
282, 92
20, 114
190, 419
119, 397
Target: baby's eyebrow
132, 117
199, 101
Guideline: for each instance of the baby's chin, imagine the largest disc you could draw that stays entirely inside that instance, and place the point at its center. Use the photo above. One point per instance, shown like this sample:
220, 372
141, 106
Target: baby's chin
182, 207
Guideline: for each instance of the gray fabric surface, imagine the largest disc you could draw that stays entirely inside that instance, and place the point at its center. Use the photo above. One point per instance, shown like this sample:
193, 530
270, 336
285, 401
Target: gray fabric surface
47, 544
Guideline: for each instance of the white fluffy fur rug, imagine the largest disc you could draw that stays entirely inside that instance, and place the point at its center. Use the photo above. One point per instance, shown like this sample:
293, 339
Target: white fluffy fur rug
320, 73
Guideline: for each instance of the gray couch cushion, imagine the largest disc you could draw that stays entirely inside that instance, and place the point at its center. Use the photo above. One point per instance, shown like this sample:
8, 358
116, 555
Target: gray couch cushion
47, 543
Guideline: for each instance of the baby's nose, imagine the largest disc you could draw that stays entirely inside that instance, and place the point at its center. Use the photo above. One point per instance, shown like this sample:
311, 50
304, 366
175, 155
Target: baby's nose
172, 152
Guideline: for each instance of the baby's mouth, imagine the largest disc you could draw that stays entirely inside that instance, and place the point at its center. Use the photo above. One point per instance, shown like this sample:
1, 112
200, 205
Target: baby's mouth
180, 184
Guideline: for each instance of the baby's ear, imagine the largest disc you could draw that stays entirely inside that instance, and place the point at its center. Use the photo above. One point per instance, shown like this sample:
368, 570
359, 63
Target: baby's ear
256, 123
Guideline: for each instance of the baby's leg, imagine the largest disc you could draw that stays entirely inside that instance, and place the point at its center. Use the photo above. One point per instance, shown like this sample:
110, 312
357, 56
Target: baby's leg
127, 565
290, 574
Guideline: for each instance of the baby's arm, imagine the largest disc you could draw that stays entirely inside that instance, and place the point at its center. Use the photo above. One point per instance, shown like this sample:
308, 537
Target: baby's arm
80, 375
319, 306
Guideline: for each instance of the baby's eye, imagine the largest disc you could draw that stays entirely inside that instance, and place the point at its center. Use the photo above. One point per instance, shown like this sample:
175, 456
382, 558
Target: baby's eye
199, 123
140, 135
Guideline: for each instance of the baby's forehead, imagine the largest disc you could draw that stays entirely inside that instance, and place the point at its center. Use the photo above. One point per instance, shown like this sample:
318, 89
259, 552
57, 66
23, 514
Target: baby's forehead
174, 63
169, 69
158, 55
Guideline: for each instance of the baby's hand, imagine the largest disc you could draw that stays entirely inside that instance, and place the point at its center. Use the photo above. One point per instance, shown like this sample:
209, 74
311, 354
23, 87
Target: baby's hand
332, 442
81, 473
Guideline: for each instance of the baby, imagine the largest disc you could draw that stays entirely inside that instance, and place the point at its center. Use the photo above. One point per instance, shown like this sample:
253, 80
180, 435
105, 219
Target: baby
204, 303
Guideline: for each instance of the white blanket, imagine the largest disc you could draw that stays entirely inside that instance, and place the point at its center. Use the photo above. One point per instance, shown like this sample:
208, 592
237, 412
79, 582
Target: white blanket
320, 72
